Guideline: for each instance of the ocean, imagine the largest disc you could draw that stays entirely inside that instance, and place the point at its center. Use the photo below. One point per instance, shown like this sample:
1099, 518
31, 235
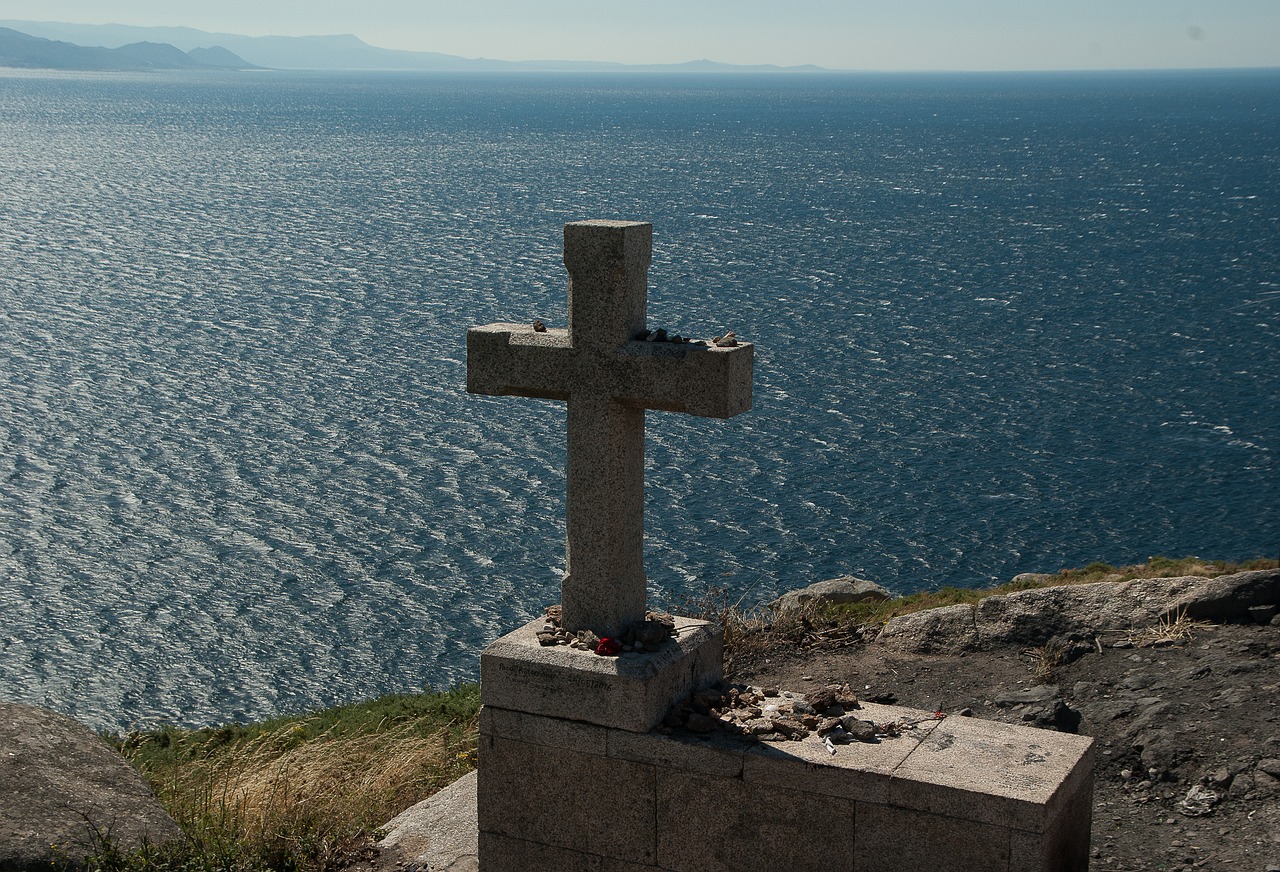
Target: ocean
1003, 323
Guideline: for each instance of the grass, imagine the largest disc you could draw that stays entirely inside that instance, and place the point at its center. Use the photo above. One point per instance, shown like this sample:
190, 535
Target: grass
1171, 630
299, 793
1045, 661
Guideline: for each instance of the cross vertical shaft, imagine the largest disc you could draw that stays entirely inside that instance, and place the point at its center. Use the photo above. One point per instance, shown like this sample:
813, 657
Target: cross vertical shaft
608, 265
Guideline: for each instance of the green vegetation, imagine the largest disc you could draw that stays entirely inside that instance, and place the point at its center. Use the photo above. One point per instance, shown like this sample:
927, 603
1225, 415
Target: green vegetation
297, 793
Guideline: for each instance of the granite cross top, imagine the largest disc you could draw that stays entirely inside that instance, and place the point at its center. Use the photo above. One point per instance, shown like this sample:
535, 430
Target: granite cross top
602, 366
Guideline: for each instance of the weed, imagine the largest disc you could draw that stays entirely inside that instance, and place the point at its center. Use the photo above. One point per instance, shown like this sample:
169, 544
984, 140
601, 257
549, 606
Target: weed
1045, 661
1172, 629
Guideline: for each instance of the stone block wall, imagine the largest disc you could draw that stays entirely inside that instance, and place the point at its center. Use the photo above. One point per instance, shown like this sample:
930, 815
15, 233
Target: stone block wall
954, 794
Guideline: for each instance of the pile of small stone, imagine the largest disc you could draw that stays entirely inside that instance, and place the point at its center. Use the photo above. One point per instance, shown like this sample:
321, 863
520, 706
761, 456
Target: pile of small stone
648, 636
771, 714
727, 340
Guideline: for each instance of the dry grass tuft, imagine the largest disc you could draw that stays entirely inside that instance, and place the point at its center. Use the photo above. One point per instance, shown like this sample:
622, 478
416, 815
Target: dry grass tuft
750, 632
273, 784
304, 793
1045, 661
1173, 629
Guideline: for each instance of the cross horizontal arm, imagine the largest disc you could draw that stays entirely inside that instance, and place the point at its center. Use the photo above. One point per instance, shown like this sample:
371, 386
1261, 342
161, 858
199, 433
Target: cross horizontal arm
511, 360
696, 379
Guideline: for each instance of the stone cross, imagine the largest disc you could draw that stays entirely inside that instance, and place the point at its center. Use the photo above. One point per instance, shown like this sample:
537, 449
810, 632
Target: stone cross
602, 366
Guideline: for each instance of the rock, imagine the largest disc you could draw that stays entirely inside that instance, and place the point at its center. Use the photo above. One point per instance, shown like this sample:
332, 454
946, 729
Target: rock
1031, 578
1060, 717
1227, 598
1034, 617
1039, 693
1263, 614
947, 630
1266, 785
828, 725
846, 698
60, 783
439, 833
822, 699
846, 589
863, 731
1198, 802
1159, 750
1270, 765
700, 723
1218, 778
1241, 786
789, 727
653, 632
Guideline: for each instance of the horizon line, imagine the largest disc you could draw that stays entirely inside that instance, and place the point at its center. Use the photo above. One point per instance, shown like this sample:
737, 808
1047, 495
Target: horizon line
798, 68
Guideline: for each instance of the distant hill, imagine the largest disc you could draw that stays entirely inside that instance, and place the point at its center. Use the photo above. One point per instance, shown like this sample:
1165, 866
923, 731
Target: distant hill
341, 52
18, 49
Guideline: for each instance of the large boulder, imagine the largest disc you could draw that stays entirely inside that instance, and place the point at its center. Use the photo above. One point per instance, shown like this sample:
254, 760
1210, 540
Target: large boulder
945, 630
846, 589
439, 834
62, 788
1034, 617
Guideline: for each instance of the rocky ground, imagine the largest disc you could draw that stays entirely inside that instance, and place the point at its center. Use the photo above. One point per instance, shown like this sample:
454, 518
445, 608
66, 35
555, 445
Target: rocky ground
1188, 729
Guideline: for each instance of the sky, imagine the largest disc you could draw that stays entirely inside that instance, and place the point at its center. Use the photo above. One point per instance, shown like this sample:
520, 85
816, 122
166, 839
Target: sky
839, 34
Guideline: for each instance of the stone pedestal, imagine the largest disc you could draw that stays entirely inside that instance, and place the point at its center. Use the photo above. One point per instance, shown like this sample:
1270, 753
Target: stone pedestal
631, 692
573, 776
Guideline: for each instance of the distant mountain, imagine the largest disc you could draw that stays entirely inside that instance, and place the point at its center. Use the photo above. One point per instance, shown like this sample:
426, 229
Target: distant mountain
217, 56
343, 52
19, 49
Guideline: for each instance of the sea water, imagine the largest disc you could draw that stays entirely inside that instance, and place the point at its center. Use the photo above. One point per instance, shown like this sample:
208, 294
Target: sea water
1002, 324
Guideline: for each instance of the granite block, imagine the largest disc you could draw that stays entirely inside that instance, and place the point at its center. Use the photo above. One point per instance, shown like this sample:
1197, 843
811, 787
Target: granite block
711, 755
505, 854
540, 730
990, 772
859, 771
566, 799
710, 824
889, 839
1064, 845
632, 692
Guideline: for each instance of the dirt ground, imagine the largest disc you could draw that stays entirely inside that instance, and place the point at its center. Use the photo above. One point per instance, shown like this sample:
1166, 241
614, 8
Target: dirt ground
1198, 717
